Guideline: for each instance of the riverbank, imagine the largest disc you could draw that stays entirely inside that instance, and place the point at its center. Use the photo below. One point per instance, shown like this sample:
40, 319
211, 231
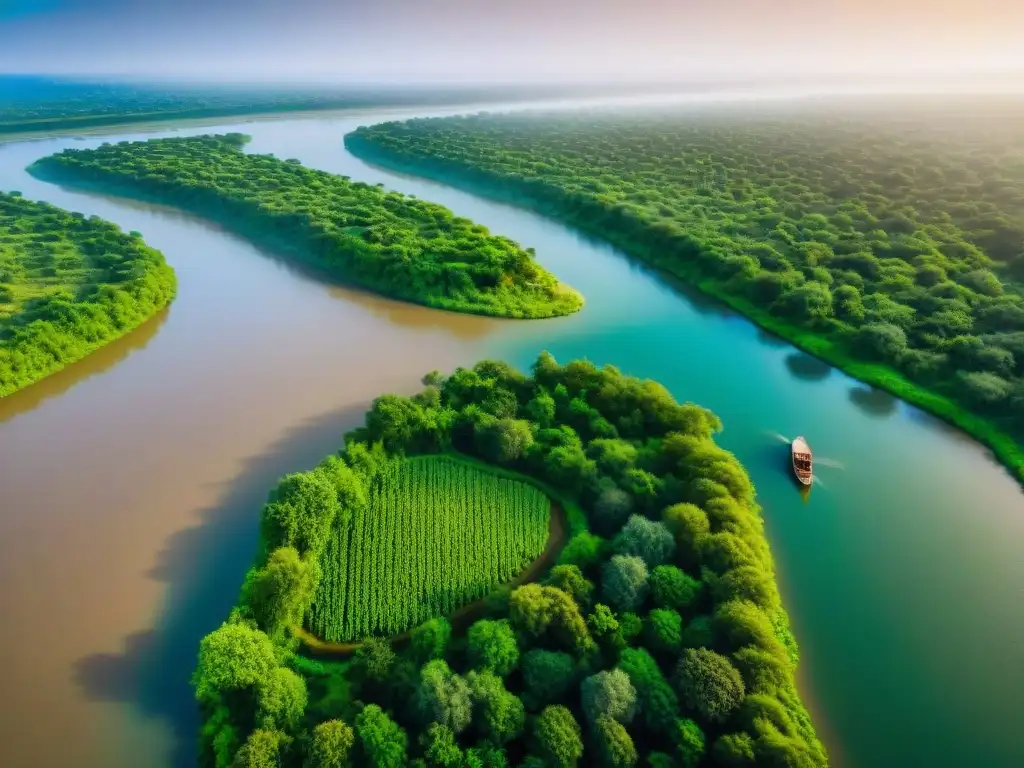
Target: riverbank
483, 183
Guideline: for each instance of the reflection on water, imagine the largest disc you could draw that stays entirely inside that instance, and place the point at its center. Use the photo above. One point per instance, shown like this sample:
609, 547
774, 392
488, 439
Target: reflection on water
99, 361
201, 568
405, 315
807, 367
934, 423
828, 463
874, 402
769, 339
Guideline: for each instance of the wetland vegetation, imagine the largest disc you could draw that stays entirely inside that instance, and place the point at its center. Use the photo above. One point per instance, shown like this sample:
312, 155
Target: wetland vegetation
658, 638
68, 285
385, 241
885, 238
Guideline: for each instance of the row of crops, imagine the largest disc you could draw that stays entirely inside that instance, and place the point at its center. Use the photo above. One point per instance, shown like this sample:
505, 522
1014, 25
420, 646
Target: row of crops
436, 534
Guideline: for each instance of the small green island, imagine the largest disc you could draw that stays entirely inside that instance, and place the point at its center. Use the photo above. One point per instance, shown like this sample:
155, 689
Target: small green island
68, 285
396, 613
888, 240
387, 242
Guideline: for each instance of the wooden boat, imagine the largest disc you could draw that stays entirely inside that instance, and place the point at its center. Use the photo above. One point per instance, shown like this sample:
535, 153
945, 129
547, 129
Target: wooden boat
802, 467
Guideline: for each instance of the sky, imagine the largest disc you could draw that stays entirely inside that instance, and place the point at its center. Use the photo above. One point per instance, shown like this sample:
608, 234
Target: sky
509, 41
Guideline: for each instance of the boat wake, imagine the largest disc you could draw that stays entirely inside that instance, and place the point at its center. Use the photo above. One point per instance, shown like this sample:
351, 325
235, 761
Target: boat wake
818, 460
830, 463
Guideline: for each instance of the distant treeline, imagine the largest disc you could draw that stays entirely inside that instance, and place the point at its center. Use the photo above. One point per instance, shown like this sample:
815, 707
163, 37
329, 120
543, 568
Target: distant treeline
393, 244
40, 104
68, 285
887, 240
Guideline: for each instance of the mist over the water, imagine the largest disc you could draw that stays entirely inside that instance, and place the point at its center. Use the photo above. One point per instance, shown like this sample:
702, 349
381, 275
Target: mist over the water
525, 40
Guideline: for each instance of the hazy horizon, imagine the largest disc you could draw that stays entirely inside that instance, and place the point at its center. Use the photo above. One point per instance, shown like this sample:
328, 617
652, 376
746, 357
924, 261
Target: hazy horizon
476, 41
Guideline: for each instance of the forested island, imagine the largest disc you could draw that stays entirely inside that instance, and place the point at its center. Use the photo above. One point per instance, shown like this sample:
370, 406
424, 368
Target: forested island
393, 244
657, 638
68, 285
887, 239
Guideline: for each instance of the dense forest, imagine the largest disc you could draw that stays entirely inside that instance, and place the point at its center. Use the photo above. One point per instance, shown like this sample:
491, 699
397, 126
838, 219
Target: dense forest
68, 285
657, 639
396, 245
887, 239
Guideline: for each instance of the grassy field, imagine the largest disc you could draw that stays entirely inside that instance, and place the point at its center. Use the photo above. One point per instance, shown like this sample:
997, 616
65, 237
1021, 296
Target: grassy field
436, 534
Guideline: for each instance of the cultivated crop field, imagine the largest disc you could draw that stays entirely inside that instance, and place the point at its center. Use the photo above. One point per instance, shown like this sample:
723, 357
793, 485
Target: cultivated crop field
436, 534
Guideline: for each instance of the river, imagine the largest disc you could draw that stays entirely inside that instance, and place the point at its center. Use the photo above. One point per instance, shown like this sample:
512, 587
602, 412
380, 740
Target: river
130, 484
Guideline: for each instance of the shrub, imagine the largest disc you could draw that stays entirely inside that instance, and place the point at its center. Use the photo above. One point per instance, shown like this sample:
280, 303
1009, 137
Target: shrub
430, 639
608, 693
614, 745
709, 684
624, 582
734, 750
382, 742
492, 646
664, 631
645, 539
672, 588
499, 715
547, 675
331, 745
557, 736
658, 703
688, 524
443, 697
690, 743
570, 580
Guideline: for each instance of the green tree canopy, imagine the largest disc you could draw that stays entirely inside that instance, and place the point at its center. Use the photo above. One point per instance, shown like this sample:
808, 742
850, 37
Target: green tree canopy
232, 658
444, 697
331, 745
499, 715
651, 541
709, 684
624, 582
430, 639
609, 693
547, 675
261, 750
557, 736
674, 589
382, 742
279, 593
614, 744
492, 646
